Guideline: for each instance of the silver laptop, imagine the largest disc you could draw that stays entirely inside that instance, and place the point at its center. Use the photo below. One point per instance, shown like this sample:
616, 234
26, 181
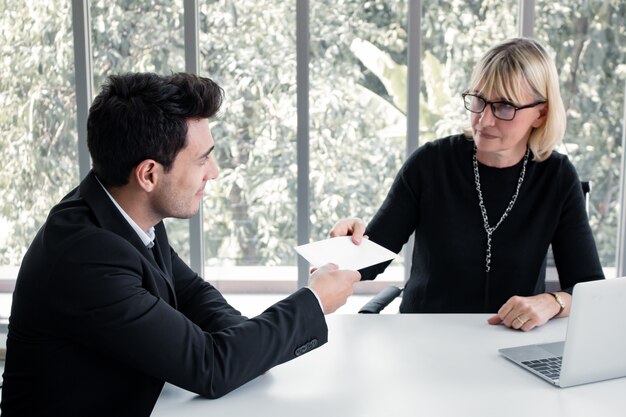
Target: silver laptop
595, 342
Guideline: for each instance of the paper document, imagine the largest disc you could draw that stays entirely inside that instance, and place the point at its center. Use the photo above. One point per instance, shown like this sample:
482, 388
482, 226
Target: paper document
342, 252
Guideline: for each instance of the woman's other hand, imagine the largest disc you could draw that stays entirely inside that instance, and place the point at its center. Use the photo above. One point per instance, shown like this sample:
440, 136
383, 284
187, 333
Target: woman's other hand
526, 313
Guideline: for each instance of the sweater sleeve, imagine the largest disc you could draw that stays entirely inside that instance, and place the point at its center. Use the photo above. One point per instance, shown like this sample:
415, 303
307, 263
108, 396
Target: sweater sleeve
397, 218
575, 254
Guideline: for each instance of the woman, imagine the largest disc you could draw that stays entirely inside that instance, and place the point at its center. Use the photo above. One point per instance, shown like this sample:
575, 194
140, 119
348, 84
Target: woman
485, 205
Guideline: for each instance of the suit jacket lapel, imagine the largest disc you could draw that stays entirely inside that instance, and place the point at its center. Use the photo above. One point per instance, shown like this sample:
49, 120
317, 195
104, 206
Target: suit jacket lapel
109, 217
162, 249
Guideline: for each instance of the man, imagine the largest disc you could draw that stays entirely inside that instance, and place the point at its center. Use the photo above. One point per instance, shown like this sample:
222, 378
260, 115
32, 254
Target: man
104, 311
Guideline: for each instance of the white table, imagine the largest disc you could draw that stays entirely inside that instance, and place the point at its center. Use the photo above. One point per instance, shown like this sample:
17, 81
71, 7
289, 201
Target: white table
407, 365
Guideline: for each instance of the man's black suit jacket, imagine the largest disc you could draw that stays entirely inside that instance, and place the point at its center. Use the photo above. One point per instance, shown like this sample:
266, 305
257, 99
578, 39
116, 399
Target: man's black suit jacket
97, 326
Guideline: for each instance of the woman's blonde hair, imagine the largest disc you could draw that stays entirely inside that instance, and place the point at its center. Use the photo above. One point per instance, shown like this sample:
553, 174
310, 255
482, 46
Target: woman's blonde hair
507, 70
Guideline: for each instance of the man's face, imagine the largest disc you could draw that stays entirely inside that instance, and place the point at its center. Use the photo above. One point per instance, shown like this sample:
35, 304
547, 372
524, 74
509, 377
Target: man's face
180, 190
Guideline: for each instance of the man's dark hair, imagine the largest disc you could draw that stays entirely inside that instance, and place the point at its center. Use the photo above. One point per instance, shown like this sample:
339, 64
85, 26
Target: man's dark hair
140, 116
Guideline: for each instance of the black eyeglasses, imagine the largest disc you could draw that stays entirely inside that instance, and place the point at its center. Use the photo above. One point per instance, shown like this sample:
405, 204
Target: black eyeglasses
502, 110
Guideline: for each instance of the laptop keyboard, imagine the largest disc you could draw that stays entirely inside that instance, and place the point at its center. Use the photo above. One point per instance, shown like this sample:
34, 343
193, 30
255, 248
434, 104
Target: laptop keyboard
550, 367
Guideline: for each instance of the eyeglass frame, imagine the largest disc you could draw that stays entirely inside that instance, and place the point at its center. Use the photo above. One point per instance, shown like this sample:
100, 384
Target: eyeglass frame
493, 109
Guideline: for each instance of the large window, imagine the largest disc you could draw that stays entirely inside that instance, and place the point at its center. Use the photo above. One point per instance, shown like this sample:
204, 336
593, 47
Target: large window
358, 105
357, 115
38, 147
357, 128
249, 48
589, 44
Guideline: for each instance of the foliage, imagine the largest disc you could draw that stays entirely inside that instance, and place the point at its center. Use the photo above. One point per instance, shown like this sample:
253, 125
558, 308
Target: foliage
589, 41
257, 130
357, 104
38, 124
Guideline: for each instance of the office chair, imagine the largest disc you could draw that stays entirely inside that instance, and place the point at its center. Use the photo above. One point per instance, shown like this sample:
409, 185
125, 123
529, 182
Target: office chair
388, 294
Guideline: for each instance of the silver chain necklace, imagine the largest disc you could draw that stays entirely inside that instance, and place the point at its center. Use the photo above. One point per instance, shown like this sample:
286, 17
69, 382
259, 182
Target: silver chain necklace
483, 210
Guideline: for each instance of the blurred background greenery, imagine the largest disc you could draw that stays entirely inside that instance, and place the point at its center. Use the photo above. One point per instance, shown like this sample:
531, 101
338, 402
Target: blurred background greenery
358, 68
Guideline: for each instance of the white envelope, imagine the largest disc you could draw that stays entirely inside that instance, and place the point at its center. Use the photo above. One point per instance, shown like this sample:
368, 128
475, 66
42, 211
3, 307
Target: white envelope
342, 252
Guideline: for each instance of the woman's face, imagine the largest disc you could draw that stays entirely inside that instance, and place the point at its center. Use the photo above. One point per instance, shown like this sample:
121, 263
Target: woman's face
507, 138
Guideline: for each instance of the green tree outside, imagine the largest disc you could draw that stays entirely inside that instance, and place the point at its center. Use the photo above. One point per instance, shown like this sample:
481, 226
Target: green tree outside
357, 104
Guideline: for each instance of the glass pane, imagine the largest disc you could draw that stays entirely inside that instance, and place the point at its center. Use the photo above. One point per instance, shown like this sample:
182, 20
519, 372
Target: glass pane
249, 49
136, 35
357, 109
589, 45
38, 145
455, 34
140, 35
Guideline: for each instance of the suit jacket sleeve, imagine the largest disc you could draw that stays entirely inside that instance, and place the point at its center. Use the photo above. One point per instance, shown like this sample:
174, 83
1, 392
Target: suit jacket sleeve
201, 302
206, 346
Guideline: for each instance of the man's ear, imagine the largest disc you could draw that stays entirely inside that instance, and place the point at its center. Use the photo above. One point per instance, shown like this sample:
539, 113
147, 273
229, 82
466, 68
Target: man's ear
147, 174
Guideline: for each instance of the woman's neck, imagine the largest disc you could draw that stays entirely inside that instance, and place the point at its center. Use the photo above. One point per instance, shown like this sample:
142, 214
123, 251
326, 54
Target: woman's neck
501, 159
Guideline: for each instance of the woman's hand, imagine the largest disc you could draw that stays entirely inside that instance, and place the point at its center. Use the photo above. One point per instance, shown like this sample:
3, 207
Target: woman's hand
353, 226
526, 313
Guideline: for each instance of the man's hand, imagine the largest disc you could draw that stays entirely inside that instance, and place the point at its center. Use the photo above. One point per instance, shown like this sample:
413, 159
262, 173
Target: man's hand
354, 227
333, 286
